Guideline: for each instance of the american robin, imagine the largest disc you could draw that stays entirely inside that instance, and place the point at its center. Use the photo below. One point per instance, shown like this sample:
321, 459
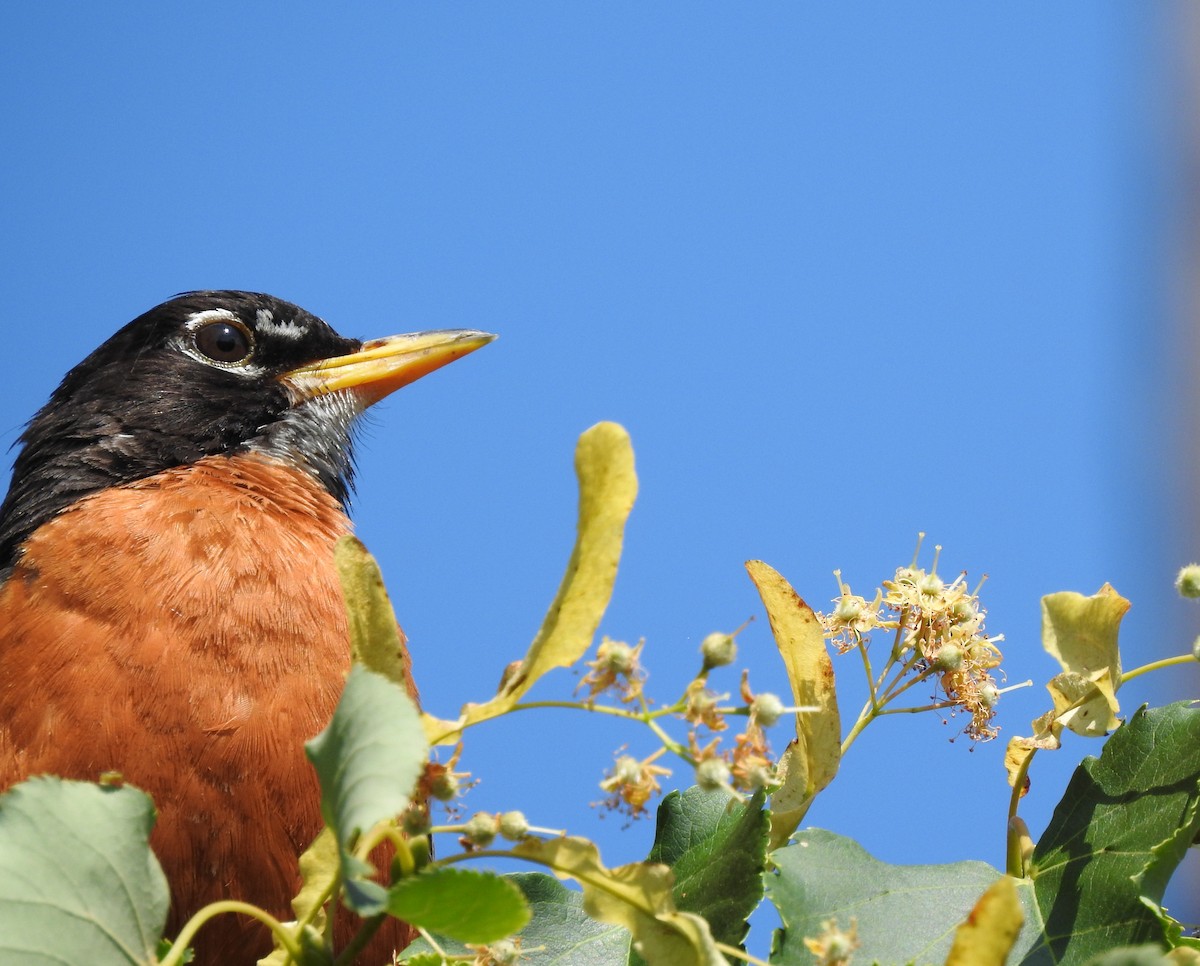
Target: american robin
169, 607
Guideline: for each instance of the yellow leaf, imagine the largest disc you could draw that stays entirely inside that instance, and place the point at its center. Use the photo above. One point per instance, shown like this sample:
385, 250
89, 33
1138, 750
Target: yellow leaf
607, 489
810, 762
1087, 707
375, 640
1047, 730
318, 871
1081, 634
636, 896
991, 930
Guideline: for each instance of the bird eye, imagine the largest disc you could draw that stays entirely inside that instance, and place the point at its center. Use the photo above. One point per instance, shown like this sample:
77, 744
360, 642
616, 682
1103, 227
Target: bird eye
224, 342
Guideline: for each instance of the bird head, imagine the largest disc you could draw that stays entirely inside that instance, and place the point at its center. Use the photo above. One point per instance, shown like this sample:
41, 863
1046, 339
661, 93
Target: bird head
203, 374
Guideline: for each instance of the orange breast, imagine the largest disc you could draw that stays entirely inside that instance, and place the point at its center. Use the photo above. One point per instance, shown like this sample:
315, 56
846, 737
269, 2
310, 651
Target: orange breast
186, 630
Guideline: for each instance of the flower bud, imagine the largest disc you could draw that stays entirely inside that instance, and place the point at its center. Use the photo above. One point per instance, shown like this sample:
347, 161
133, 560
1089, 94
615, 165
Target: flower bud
481, 829
758, 775
849, 609
963, 610
949, 657
504, 953
415, 821
712, 773
442, 782
616, 655
766, 708
718, 650
627, 770
1188, 581
930, 585
514, 826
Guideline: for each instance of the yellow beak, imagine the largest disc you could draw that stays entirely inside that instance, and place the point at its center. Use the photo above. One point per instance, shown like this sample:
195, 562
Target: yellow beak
382, 366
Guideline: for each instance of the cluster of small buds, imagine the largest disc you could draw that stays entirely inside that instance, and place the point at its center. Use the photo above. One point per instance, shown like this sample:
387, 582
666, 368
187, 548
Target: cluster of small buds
938, 628
632, 783
749, 766
752, 765
617, 668
482, 828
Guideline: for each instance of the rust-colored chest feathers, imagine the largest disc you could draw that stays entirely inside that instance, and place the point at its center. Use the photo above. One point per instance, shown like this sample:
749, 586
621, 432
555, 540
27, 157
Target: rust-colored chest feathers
187, 631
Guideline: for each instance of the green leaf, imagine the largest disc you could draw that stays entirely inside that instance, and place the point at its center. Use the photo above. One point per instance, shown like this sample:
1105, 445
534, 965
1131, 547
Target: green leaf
716, 846
472, 907
1132, 956
903, 912
636, 896
1124, 824
78, 882
559, 934
368, 761
1122, 827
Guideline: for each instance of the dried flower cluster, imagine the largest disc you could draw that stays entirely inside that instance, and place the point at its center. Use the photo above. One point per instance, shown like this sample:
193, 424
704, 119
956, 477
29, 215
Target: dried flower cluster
617, 668
939, 633
632, 783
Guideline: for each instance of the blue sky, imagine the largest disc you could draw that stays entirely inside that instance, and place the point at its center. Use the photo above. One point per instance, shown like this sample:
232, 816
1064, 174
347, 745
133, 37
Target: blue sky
846, 272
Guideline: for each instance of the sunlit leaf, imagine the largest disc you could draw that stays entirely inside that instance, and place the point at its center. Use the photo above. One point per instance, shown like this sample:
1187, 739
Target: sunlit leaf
463, 904
1047, 731
1123, 826
903, 913
991, 929
811, 761
368, 761
1081, 634
715, 845
78, 882
607, 489
374, 636
636, 896
1135, 956
559, 934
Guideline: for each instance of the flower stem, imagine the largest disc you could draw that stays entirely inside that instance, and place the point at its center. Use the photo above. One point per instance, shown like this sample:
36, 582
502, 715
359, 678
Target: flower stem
213, 909
1157, 665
